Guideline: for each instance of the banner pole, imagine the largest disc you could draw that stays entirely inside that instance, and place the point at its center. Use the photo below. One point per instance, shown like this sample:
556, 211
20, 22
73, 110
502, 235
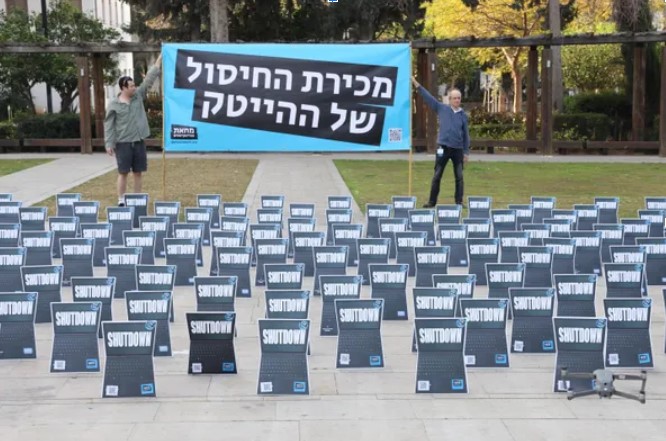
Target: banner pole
163, 135
411, 116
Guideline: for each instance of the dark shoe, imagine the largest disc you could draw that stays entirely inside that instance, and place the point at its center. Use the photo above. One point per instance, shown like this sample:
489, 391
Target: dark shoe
428, 205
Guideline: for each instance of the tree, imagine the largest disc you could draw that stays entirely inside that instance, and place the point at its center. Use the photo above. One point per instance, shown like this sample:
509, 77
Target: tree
219, 20
493, 18
170, 20
455, 66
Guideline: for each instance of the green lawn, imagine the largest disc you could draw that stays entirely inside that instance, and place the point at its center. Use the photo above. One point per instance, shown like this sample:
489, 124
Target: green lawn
9, 166
509, 182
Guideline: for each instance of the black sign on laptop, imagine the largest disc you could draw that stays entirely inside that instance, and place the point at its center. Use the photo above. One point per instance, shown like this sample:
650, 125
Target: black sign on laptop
388, 228
332, 289
212, 342
215, 294
302, 211
635, 228
287, 304
17, 325
236, 224
559, 227
203, 216
11, 261
503, 220
336, 202
170, 209
63, 228
479, 206
509, 243
9, 235
588, 252
575, 294
374, 212
263, 231
222, 239
567, 214
9, 212
448, 214
628, 341
586, 216
537, 233
440, 367
129, 371
121, 263
371, 251
269, 251
101, 234
75, 328
502, 277
335, 217
656, 219
463, 284
611, 234
235, 261
486, 345
481, 252
284, 364
121, 219
538, 266
477, 228
359, 333
348, 234
532, 327
38, 246
34, 218
304, 242
46, 281
543, 207
624, 280
153, 305
269, 216
272, 201
628, 254
95, 289
433, 303
329, 261
299, 225
191, 231
389, 282
423, 220
156, 278
655, 202
145, 240
212, 201
405, 244
608, 207
655, 250
182, 253
430, 261
402, 205
138, 201
77, 258
86, 211
524, 214
284, 276
65, 203
564, 252
580, 348
454, 236
234, 209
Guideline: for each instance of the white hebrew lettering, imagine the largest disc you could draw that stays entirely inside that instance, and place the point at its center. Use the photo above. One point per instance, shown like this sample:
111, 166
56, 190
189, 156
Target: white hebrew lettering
205, 110
210, 69
257, 72
315, 115
287, 76
227, 74
234, 113
358, 118
245, 72
379, 81
292, 112
366, 88
308, 81
197, 69
336, 82
342, 113
256, 104
348, 79
269, 106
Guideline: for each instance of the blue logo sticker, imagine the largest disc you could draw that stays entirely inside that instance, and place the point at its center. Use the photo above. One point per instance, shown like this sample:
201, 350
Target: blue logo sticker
111, 280
500, 359
547, 345
644, 358
28, 351
471, 278
92, 363
550, 292
228, 367
460, 323
305, 295
31, 296
457, 384
601, 323
592, 279
377, 304
229, 316
147, 389
150, 325
303, 324
299, 386
95, 306
375, 360
166, 296
647, 303
170, 269
502, 303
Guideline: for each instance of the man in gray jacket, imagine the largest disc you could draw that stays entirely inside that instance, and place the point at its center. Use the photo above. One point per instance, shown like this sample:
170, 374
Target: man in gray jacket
126, 127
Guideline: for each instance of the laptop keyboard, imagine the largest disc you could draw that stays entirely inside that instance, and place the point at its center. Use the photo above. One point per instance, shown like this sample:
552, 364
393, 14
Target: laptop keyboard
532, 334
486, 348
628, 348
212, 357
575, 361
17, 340
576, 309
76, 350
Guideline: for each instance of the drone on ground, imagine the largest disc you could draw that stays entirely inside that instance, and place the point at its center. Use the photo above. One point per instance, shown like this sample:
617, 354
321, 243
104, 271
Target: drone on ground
603, 384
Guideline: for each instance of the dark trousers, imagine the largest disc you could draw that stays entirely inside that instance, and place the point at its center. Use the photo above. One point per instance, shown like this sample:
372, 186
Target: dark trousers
456, 156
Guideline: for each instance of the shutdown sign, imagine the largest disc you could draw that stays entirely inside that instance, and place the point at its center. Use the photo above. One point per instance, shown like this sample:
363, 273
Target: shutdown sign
297, 97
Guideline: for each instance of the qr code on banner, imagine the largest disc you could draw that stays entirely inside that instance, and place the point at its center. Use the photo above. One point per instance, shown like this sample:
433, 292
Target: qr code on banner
395, 135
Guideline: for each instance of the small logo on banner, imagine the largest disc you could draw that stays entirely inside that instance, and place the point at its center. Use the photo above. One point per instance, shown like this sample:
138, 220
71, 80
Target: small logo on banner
303, 325
95, 306
299, 386
92, 363
647, 303
375, 360
31, 296
457, 384
460, 323
150, 325
500, 358
502, 303
547, 345
147, 389
183, 132
165, 296
601, 323
228, 317
228, 367
644, 358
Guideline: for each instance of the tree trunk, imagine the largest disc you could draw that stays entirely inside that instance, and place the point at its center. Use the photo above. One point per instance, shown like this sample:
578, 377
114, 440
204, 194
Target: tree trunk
555, 29
219, 21
517, 88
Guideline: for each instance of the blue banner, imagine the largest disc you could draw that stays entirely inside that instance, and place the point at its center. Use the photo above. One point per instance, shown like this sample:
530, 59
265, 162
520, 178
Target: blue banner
286, 97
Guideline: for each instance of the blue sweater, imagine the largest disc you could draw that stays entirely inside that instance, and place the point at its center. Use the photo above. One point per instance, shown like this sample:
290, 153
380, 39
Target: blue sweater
453, 126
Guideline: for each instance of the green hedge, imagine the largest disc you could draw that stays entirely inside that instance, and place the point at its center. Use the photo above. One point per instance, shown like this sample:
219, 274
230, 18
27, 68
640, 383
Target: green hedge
609, 103
7, 130
579, 126
52, 125
493, 131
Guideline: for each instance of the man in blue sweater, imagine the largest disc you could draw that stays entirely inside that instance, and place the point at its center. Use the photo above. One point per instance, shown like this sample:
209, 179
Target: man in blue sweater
453, 141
